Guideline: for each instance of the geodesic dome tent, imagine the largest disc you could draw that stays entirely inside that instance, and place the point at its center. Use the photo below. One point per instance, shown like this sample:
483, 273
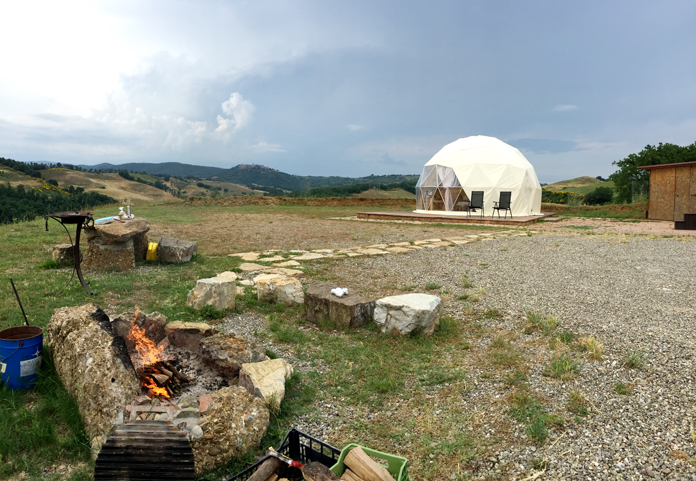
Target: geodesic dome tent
478, 163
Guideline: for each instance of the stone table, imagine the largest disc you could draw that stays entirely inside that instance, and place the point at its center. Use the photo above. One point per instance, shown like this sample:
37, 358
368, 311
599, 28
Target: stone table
117, 245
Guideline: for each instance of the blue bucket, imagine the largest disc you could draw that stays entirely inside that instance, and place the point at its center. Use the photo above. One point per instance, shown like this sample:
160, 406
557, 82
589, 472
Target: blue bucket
20, 356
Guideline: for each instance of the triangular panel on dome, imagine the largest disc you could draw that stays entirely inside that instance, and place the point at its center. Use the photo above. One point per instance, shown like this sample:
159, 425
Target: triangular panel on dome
429, 177
425, 197
449, 179
438, 202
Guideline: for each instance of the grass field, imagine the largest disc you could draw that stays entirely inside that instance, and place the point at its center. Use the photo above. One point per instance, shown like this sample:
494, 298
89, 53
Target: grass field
386, 194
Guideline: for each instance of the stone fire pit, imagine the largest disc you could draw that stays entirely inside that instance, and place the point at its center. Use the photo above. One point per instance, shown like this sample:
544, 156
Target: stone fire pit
94, 357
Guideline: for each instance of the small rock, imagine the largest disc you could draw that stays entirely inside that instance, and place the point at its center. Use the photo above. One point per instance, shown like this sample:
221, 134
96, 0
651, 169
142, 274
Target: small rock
251, 267
196, 433
204, 402
283, 290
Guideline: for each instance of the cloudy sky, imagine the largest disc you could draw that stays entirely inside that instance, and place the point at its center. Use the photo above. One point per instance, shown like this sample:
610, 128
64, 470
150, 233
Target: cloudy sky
344, 88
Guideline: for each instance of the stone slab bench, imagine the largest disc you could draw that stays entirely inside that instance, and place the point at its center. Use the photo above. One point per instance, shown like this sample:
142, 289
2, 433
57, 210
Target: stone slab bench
351, 310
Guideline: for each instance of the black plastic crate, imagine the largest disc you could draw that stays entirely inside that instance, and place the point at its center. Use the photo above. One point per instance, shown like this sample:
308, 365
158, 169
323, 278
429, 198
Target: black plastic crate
300, 447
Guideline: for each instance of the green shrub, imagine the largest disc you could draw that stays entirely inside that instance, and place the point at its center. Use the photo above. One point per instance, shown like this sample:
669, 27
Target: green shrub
562, 366
635, 359
623, 389
49, 264
561, 197
599, 196
527, 409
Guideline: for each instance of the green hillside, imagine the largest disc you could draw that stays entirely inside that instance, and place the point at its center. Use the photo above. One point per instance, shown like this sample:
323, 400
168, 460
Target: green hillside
581, 185
255, 176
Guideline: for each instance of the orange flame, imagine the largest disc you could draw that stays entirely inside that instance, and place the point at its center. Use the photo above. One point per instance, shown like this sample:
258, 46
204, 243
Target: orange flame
147, 351
147, 354
154, 388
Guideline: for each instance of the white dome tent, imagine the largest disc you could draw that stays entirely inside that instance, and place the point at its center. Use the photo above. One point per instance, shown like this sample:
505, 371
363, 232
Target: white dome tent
478, 163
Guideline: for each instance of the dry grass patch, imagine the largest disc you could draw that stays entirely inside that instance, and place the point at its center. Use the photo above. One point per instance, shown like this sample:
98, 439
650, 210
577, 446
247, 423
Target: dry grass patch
592, 346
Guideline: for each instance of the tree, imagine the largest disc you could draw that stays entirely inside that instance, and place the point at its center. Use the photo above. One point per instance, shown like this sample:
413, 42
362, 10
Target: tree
599, 196
662, 154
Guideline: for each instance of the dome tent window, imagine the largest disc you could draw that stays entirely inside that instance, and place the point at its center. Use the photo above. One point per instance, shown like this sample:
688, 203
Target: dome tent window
478, 163
440, 190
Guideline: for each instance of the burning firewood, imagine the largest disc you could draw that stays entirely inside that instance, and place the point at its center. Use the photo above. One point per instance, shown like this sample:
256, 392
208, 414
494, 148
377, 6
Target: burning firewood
156, 372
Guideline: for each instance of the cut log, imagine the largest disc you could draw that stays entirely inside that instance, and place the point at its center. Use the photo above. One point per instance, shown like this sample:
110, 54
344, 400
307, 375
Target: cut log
266, 469
318, 472
349, 475
177, 374
362, 465
161, 379
273, 477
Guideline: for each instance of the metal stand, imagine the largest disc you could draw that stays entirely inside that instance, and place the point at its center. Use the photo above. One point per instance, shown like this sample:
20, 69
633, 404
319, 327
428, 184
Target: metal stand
80, 219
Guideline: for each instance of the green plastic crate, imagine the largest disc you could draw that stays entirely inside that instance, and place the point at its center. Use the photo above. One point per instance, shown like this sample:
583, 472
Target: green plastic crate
396, 464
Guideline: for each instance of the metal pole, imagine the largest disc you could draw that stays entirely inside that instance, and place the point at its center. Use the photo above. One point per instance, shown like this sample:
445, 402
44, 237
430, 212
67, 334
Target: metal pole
26, 321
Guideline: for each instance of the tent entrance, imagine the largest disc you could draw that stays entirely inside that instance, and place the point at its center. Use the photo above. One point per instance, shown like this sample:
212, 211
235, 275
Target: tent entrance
439, 189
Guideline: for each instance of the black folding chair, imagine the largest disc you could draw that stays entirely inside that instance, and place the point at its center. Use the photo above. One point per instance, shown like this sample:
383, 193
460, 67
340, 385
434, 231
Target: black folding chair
476, 202
503, 204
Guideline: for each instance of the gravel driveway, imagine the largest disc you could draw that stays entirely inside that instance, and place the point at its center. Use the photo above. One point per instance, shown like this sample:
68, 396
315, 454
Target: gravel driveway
637, 294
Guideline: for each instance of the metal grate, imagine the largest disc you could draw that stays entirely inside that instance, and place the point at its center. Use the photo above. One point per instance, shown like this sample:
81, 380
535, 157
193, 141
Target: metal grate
145, 450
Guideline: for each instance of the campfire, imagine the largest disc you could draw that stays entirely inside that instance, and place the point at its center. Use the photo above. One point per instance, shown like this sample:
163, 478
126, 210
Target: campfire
156, 370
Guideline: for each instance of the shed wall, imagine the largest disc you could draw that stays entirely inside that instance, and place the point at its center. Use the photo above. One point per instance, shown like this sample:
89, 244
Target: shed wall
692, 191
662, 185
682, 194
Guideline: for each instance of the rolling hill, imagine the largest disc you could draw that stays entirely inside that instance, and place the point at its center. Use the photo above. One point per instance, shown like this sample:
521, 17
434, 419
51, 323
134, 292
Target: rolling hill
581, 185
253, 175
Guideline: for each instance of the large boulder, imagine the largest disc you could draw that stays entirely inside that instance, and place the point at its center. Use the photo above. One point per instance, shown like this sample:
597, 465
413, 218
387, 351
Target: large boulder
94, 367
218, 291
351, 310
407, 313
188, 334
233, 424
280, 290
176, 251
266, 380
227, 353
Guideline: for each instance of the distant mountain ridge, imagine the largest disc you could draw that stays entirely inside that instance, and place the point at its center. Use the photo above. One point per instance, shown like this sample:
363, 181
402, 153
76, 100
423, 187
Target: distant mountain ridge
253, 175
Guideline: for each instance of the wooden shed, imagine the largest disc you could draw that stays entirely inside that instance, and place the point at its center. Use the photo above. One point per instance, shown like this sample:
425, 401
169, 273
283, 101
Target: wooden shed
672, 190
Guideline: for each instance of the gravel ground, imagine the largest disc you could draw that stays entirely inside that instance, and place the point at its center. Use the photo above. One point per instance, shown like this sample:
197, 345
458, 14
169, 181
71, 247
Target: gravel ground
634, 292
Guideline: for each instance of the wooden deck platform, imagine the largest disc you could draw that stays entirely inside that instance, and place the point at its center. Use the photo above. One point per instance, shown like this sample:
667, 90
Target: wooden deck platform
452, 219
